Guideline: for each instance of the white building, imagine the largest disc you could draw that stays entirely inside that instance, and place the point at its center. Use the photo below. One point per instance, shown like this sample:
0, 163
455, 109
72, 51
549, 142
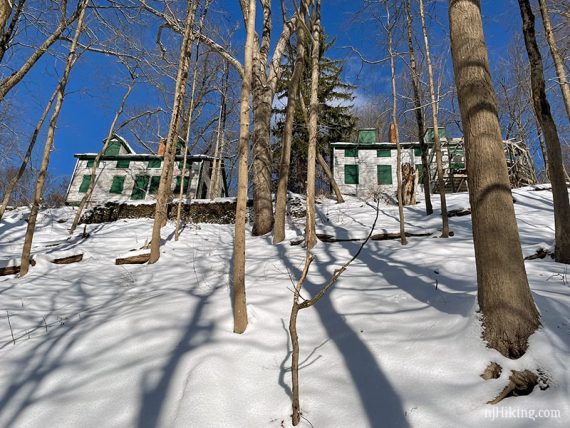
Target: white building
123, 175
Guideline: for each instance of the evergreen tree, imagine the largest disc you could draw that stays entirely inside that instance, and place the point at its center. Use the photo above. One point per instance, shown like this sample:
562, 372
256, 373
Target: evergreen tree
336, 122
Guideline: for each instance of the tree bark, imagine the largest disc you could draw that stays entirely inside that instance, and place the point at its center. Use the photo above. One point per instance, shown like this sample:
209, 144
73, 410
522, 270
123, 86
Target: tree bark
558, 61
5, 11
394, 137
436, 142
509, 313
418, 110
172, 138
71, 58
544, 116
293, 95
239, 297
310, 234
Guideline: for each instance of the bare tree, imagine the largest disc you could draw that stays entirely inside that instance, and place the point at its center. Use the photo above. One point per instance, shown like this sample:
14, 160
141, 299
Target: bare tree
239, 302
556, 56
503, 293
436, 141
418, 111
310, 234
281, 197
544, 116
71, 59
172, 138
5, 11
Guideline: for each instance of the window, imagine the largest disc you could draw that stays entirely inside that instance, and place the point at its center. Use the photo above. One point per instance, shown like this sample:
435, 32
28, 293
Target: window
177, 187
351, 174
154, 183
383, 153
123, 163
154, 163
90, 163
139, 190
85, 184
350, 153
384, 174
417, 151
113, 148
117, 185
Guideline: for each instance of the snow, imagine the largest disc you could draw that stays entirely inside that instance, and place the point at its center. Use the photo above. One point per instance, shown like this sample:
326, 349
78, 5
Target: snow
100, 345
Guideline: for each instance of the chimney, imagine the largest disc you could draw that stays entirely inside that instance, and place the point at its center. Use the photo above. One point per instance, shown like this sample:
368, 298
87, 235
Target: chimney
393, 133
161, 147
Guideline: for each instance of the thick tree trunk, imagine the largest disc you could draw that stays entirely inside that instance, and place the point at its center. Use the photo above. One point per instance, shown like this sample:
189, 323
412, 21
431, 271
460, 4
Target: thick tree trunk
509, 313
293, 91
323, 164
71, 58
172, 138
436, 142
544, 116
418, 110
262, 160
238, 279
558, 61
310, 234
5, 11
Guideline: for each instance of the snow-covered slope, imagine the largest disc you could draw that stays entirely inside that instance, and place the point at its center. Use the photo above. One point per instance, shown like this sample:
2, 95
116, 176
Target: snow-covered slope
100, 345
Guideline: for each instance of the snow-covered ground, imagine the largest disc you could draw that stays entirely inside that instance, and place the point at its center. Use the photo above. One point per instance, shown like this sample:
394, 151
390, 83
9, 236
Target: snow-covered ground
100, 345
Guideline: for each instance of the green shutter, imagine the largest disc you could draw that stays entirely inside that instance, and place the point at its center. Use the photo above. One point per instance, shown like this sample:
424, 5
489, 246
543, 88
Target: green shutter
117, 185
85, 184
366, 136
113, 148
384, 153
90, 163
417, 151
154, 163
139, 190
123, 163
351, 174
154, 184
351, 153
384, 174
177, 187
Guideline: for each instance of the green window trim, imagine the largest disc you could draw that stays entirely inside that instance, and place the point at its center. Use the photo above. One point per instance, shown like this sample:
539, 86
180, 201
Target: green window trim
113, 148
384, 173
139, 189
85, 182
384, 153
155, 163
350, 153
154, 184
118, 184
351, 174
123, 163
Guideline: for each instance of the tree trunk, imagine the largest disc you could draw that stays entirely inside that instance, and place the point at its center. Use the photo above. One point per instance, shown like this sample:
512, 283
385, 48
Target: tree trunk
219, 154
239, 300
555, 165
71, 58
262, 159
5, 11
558, 61
418, 110
310, 235
27, 156
87, 197
172, 138
293, 95
503, 293
394, 137
436, 142
323, 163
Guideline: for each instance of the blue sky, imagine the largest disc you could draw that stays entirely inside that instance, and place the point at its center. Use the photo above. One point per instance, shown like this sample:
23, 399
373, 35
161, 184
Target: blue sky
94, 91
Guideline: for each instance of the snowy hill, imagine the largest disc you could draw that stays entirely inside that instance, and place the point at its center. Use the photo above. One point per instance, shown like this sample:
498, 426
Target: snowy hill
395, 344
